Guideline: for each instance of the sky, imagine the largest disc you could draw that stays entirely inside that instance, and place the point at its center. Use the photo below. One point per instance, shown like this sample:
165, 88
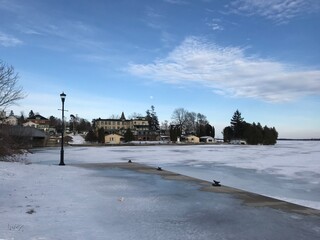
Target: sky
206, 56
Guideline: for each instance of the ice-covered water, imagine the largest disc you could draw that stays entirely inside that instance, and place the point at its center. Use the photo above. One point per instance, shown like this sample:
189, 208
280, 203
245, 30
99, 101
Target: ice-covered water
289, 170
46, 201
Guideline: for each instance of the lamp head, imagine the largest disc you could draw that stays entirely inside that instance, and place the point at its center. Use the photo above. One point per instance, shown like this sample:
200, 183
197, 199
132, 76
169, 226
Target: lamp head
63, 96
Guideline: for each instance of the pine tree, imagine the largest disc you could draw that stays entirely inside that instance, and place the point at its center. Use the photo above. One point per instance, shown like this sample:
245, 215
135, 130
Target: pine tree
152, 119
101, 135
128, 136
91, 136
31, 114
237, 124
227, 134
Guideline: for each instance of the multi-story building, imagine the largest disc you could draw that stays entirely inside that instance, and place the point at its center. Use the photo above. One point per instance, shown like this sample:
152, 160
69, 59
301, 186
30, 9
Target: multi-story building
139, 126
40, 122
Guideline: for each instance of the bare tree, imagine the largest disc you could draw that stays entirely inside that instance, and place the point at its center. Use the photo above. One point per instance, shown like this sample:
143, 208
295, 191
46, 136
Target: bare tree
135, 115
114, 116
10, 92
191, 122
179, 117
164, 125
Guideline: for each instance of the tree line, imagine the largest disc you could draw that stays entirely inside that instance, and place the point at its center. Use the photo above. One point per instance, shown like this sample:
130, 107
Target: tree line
253, 133
189, 123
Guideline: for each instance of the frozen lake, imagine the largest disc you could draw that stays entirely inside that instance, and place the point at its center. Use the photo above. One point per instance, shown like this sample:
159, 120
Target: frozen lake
290, 170
45, 201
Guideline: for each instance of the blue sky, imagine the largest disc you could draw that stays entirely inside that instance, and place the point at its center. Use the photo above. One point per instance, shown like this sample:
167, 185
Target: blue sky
208, 56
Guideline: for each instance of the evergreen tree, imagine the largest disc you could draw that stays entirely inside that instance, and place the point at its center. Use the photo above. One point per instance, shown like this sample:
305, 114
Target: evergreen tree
83, 125
227, 134
21, 119
252, 133
91, 136
31, 114
208, 130
101, 135
213, 132
270, 136
175, 132
237, 124
128, 135
152, 119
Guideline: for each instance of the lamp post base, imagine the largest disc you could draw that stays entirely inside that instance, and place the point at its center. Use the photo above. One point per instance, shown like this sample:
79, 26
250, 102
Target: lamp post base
61, 158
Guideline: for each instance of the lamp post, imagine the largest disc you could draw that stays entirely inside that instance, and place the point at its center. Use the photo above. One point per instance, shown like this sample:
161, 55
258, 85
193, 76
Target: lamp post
63, 97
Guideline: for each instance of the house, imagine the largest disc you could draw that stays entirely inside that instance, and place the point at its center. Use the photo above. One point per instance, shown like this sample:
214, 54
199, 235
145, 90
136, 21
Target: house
191, 139
30, 124
40, 121
11, 120
28, 136
238, 141
113, 139
165, 138
207, 139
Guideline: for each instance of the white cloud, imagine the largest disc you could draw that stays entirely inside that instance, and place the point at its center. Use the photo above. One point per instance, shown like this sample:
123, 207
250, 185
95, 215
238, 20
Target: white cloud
227, 71
9, 41
279, 11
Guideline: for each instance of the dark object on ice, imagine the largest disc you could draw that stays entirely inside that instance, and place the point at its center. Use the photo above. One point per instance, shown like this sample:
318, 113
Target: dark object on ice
30, 211
159, 169
129, 161
216, 183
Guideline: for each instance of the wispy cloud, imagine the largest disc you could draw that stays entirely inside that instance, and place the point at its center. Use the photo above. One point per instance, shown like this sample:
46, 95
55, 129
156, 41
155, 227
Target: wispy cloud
8, 40
176, 1
215, 24
10, 6
228, 71
279, 11
66, 32
94, 58
153, 19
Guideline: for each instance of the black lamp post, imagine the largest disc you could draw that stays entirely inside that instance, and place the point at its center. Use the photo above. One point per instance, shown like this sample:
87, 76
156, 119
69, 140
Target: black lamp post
63, 97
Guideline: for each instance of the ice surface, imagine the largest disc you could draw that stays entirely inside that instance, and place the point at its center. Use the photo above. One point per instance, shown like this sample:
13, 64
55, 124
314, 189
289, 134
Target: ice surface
75, 203
290, 170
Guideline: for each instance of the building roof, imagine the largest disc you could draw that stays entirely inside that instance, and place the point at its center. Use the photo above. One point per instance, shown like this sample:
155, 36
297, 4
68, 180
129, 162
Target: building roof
37, 117
24, 131
122, 116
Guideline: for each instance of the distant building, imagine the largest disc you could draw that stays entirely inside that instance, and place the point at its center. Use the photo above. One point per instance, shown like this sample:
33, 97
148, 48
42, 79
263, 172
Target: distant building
238, 141
113, 139
30, 124
191, 139
207, 139
11, 120
29, 136
40, 122
139, 127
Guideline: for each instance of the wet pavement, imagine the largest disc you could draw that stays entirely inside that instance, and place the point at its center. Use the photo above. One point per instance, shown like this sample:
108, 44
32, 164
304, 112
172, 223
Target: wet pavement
165, 205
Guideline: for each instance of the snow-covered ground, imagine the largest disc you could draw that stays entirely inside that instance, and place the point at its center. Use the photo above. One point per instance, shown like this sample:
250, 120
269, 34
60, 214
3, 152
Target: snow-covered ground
45, 201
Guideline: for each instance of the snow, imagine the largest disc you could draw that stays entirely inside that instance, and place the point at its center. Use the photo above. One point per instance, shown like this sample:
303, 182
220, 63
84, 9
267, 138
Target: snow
77, 139
67, 202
